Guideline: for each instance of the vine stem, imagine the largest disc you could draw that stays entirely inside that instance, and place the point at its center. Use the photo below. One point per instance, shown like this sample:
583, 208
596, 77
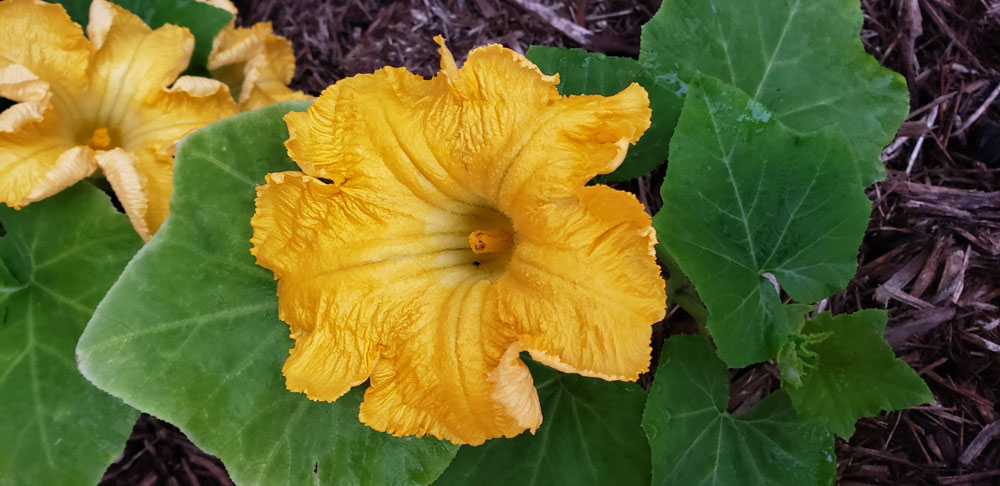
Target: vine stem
680, 291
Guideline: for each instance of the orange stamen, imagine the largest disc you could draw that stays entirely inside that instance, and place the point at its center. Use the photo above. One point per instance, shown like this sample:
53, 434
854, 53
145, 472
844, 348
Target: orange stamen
491, 241
100, 140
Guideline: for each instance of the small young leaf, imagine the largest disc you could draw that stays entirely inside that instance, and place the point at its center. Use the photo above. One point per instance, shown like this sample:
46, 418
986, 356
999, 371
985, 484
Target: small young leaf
854, 373
582, 72
745, 199
202, 19
695, 441
590, 435
802, 59
190, 333
57, 259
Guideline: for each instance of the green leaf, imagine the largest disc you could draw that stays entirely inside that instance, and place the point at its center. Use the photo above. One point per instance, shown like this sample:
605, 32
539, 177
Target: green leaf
582, 72
695, 441
590, 435
802, 59
745, 198
78, 10
190, 333
854, 373
202, 19
57, 259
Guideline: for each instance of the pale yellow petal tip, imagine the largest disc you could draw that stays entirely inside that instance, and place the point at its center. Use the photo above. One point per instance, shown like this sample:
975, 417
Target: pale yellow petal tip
555, 362
514, 389
226, 5
71, 166
18, 83
119, 167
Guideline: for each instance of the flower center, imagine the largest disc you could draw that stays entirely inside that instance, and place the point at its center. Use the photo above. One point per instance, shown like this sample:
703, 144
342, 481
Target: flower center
100, 140
491, 241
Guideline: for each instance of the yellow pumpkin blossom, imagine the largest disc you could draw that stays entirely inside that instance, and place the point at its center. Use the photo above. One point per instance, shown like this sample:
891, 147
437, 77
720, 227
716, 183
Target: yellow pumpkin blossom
441, 227
254, 62
111, 100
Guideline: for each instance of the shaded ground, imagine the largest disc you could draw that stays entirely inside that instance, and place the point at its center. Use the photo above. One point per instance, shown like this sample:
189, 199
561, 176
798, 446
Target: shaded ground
931, 255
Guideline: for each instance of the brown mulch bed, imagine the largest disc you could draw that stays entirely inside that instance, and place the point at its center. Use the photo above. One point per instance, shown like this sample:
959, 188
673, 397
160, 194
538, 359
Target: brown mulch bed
931, 255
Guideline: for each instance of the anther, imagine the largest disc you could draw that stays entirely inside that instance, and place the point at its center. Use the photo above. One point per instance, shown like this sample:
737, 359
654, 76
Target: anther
100, 140
490, 241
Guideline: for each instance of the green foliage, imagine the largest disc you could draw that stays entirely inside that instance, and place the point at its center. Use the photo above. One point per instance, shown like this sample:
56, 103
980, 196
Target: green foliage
745, 197
802, 59
190, 332
853, 373
582, 72
590, 435
696, 441
202, 19
57, 259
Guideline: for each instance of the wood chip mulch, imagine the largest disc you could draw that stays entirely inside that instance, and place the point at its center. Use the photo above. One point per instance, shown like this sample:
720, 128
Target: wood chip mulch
931, 255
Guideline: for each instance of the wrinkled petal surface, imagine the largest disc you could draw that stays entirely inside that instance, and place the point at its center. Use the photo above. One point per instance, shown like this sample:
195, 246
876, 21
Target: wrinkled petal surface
44, 70
371, 244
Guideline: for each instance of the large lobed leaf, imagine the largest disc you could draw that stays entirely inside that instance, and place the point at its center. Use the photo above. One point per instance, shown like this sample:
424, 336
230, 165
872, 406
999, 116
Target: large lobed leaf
854, 373
57, 259
590, 435
746, 198
582, 72
202, 19
802, 59
190, 332
695, 441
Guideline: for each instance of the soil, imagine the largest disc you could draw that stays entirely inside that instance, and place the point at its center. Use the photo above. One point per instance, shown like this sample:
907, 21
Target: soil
931, 254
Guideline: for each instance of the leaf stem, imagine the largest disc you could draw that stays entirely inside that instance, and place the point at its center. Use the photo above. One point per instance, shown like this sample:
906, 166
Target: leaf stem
681, 291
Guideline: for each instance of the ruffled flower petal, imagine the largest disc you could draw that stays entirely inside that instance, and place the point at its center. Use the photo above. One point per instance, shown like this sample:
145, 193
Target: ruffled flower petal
256, 64
36, 157
111, 101
42, 38
441, 227
120, 169
133, 64
594, 247
134, 67
408, 301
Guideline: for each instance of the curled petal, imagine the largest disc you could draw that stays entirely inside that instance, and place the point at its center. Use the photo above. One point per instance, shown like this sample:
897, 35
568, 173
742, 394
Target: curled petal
36, 159
329, 358
256, 64
222, 4
133, 62
42, 38
437, 378
363, 125
18, 83
573, 253
590, 136
120, 169
168, 115
367, 285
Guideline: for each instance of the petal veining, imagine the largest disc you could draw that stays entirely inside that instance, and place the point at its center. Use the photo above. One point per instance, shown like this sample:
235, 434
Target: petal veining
595, 247
440, 227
